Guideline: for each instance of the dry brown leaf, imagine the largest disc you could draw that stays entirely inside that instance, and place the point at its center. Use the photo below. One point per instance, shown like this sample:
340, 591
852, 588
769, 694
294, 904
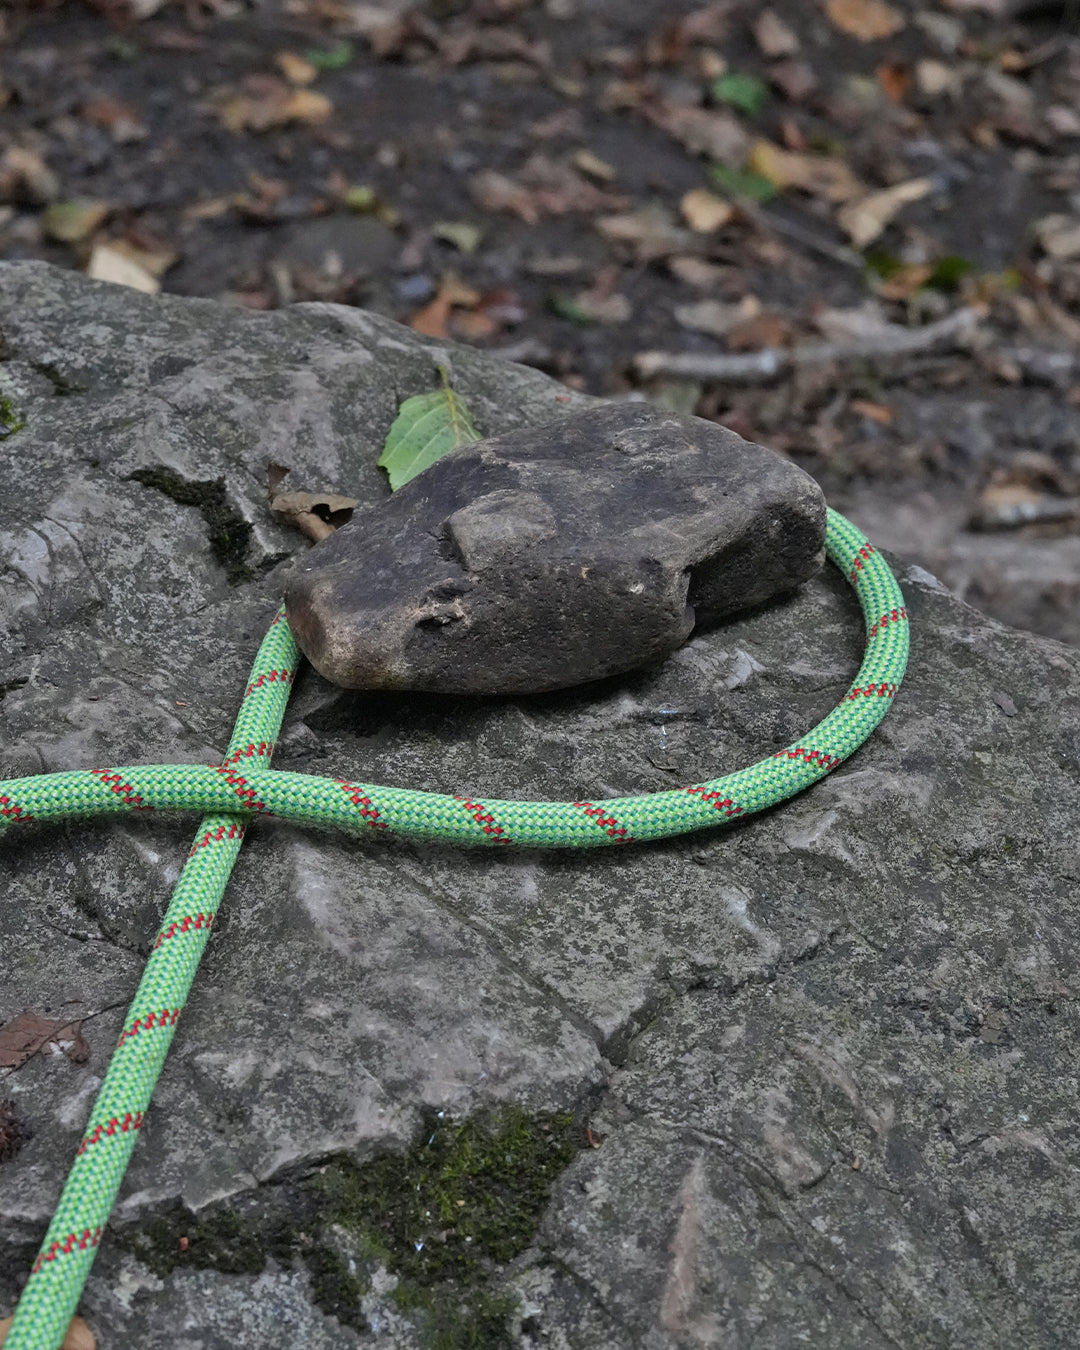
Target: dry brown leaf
26, 1034
496, 191
156, 260
432, 320
268, 102
316, 514
651, 232
796, 79
72, 222
877, 412
544, 186
719, 135
594, 167
705, 212
867, 20
934, 78
716, 318
773, 36
696, 272
895, 79
763, 330
1059, 235
864, 220
905, 281
295, 69
77, 1337
820, 175
24, 176
111, 264
121, 120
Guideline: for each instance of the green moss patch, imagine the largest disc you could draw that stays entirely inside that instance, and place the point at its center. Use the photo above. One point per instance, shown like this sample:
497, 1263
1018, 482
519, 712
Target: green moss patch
230, 534
10, 420
446, 1218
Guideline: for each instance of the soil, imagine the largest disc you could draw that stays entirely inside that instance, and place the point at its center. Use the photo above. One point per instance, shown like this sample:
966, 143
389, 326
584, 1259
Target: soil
458, 164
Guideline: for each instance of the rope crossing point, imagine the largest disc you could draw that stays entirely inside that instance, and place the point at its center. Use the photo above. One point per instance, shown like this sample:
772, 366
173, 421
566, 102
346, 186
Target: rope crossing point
244, 786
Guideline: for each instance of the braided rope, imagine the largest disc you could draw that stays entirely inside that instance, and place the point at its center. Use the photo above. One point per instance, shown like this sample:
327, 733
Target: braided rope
243, 786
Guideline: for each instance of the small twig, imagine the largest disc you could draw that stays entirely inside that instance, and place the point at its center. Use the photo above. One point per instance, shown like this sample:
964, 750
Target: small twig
760, 367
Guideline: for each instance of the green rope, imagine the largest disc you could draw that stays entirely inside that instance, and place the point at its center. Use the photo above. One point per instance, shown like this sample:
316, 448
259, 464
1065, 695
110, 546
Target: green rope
243, 786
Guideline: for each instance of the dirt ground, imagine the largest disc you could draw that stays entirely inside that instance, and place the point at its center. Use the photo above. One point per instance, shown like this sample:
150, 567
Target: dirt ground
849, 229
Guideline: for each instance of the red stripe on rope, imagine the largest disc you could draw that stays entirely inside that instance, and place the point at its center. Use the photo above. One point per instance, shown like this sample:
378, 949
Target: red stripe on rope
811, 756
13, 810
73, 1241
165, 1018
725, 804
269, 677
484, 819
111, 1127
608, 824
881, 690
188, 924
234, 831
366, 807
240, 786
115, 783
898, 615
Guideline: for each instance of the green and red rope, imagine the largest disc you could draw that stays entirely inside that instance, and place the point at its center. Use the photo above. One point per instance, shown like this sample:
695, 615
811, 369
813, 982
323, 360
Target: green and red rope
233, 795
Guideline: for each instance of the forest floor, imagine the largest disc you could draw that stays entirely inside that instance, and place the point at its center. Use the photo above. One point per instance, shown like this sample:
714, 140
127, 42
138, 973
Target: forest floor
849, 229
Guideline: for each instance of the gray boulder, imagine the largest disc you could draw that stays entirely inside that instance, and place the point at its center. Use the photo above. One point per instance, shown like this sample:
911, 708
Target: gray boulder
827, 1056
550, 557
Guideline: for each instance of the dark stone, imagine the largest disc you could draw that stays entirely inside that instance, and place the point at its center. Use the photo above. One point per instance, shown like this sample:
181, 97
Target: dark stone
551, 556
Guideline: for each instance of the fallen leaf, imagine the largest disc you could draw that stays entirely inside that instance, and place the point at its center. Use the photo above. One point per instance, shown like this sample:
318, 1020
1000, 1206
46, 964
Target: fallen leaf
716, 318
295, 68
745, 92
877, 412
759, 332
268, 102
594, 167
77, 1337
696, 272
742, 183
316, 514
796, 79
864, 219
427, 427
895, 79
71, 222
24, 176
432, 320
27, 1034
933, 78
773, 36
544, 186
651, 232
709, 24
867, 20
820, 175
464, 236
111, 264
329, 58
703, 132
705, 212
156, 259
121, 120
1059, 235
905, 280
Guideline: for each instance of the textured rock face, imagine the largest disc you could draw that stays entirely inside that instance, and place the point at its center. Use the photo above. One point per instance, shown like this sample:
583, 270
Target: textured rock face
828, 1055
550, 557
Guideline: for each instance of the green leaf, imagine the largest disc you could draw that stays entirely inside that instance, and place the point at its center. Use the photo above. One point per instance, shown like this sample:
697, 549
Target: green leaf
949, 272
335, 58
745, 92
742, 183
427, 427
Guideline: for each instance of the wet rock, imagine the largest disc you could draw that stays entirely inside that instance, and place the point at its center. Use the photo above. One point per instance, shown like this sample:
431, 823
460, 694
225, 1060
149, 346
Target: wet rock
556, 555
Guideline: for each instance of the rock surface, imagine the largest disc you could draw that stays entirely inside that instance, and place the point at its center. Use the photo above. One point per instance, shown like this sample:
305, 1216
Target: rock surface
828, 1055
547, 558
